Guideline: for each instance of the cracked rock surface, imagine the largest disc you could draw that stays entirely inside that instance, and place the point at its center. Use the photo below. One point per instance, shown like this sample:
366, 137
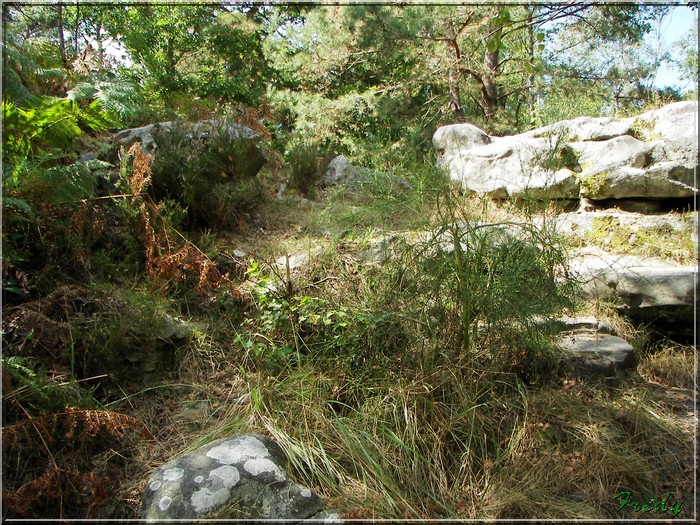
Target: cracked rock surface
239, 477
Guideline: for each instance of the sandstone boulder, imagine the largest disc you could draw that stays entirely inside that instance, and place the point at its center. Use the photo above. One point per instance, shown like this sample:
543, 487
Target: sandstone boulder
634, 282
144, 134
653, 155
592, 350
341, 171
240, 477
596, 355
250, 157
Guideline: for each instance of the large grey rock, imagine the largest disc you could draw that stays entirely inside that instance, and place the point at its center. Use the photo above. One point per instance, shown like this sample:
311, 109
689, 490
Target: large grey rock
448, 139
341, 171
144, 134
653, 155
634, 281
246, 156
584, 129
509, 166
241, 477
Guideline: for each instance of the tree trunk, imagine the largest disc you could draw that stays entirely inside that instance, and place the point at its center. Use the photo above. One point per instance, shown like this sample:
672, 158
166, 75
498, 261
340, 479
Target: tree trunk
455, 99
454, 96
489, 90
531, 75
100, 47
61, 40
77, 29
489, 87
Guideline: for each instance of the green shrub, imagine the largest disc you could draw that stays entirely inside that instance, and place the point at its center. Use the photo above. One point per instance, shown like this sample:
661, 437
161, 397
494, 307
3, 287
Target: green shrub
211, 176
476, 287
305, 170
288, 328
52, 225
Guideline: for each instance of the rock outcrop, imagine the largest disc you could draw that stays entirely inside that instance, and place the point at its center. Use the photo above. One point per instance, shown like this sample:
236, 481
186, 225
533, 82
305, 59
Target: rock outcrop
240, 477
248, 161
201, 129
635, 282
341, 172
648, 290
592, 351
653, 155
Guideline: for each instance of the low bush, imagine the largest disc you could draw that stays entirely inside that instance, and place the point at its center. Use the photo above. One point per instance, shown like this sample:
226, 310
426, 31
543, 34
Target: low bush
476, 287
304, 169
209, 173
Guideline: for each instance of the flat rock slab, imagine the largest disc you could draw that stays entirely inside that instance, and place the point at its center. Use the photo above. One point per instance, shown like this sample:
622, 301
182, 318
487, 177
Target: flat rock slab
597, 355
580, 224
571, 324
241, 477
636, 282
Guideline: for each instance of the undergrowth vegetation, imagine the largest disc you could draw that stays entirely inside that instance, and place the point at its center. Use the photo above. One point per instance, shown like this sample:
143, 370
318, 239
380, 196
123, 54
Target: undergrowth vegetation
391, 337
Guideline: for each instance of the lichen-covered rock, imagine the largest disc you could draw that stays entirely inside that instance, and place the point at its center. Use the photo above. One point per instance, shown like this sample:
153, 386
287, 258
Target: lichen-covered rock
341, 171
653, 155
241, 477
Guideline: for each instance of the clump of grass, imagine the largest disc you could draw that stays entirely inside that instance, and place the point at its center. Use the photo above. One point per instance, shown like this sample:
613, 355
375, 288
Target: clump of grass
305, 169
451, 444
576, 450
672, 366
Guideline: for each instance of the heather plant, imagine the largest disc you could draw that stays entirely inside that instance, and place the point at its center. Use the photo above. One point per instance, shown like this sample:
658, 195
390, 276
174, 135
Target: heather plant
209, 174
304, 169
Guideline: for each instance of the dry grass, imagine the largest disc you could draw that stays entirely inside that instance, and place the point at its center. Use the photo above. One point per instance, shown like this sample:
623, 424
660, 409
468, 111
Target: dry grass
673, 366
396, 440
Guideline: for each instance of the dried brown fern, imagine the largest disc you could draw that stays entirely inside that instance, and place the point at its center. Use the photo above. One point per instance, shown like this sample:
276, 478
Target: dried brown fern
75, 489
57, 489
75, 425
141, 170
163, 261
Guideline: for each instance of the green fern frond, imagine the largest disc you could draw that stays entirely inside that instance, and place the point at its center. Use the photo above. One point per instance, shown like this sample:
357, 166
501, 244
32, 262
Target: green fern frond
117, 99
18, 66
19, 205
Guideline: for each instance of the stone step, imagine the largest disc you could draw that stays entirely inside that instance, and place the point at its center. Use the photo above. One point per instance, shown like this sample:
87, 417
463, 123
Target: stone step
595, 355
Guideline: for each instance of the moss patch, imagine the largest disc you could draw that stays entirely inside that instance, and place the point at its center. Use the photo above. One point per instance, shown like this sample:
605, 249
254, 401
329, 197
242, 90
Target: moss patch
660, 241
643, 129
593, 184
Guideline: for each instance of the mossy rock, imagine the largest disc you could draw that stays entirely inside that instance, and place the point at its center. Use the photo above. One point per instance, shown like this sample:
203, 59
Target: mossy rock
593, 184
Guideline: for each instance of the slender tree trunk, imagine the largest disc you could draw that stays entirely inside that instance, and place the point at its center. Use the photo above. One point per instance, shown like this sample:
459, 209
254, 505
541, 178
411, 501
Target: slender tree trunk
455, 99
454, 96
531, 75
61, 40
76, 34
100, 47
489, 89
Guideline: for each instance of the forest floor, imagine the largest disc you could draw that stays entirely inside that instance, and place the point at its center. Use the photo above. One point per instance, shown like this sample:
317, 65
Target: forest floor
561, 450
